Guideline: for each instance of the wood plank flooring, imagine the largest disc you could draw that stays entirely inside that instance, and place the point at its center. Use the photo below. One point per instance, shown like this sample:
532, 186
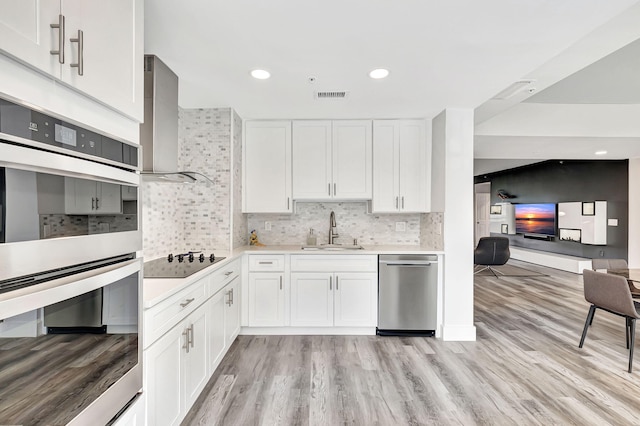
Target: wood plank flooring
525, 368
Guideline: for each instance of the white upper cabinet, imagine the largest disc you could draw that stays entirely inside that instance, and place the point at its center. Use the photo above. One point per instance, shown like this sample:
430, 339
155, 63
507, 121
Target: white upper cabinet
93, 46
401, 160
332, 160
267, 167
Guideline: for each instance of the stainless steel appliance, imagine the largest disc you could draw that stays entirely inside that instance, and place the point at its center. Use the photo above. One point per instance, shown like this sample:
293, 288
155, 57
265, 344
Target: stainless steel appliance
69, 233
407, 294
179, 265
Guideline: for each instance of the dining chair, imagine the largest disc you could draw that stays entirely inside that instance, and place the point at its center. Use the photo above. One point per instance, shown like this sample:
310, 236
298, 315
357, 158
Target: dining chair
610, 293
600, 263
491, 251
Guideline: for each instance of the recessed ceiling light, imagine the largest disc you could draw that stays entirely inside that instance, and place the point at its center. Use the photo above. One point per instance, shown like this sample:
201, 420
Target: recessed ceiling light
260, 74
379, 73
601, 152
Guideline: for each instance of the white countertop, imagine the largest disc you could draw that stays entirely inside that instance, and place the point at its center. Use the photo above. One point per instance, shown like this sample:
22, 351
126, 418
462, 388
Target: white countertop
156, 290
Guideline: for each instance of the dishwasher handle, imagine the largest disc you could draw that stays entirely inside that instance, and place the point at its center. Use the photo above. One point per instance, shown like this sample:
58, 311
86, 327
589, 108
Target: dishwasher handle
407, 262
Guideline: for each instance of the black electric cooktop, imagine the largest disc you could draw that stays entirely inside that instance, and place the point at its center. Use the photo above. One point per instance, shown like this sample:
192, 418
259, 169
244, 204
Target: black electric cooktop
179, 265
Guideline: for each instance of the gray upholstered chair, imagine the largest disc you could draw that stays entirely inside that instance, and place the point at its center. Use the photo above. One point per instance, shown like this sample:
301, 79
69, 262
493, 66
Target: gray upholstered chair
610, 293
600, 263
491, 251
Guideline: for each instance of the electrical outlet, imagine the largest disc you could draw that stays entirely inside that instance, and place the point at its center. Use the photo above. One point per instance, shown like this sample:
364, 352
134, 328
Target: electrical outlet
401, 226
267, 226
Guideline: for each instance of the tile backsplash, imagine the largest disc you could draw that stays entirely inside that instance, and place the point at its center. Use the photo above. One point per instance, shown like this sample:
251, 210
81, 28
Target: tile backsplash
179, 217
353, 221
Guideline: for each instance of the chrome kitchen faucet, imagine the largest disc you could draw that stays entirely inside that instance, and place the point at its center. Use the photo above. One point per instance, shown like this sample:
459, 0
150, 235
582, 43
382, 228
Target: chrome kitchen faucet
332, 227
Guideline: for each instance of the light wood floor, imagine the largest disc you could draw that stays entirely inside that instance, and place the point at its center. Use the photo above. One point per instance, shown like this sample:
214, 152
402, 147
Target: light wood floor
525, 368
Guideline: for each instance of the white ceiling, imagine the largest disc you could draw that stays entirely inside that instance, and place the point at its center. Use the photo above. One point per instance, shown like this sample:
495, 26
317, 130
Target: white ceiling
455, 53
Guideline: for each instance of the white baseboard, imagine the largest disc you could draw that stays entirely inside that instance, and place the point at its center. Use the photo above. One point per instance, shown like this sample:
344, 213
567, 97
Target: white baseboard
552, 260
459, 333
313, 331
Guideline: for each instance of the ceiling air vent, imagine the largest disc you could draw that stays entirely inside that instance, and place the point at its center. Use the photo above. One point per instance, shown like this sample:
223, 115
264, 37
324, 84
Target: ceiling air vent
331, 95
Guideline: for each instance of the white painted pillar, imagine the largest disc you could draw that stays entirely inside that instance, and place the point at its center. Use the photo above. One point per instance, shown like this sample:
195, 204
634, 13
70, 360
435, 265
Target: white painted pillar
634, 213
452, 193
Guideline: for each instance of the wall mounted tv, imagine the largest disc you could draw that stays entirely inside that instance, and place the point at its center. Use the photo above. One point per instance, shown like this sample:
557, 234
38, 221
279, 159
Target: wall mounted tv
537, 219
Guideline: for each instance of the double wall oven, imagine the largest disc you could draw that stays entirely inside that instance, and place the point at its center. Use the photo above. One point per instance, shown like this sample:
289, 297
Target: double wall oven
70, 275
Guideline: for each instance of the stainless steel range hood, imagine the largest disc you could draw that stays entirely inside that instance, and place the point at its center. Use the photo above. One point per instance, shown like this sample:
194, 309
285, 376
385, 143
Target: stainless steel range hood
159, 132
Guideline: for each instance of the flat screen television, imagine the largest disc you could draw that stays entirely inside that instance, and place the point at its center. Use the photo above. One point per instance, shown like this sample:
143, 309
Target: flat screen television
536, 219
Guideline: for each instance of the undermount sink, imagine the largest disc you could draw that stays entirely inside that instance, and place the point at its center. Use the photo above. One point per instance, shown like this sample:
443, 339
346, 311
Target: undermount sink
333, 247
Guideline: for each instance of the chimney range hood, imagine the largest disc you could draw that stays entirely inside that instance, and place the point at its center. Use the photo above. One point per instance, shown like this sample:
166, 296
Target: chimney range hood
159, 132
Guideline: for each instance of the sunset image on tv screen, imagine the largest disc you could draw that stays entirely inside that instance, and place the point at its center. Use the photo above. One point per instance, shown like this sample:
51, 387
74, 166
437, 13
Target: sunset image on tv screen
536, 219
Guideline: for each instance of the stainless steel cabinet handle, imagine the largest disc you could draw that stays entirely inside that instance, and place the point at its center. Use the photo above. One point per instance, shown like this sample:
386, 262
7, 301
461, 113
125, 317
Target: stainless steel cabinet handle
191, 334
185, 333
403, 202
80, 64
97, 203
337, 283
231, 291
228, 273
93, 203
60, 51
265, 263
280, 282
396, 202
330, 283
287, 203
334, 190
185, 303
329, 185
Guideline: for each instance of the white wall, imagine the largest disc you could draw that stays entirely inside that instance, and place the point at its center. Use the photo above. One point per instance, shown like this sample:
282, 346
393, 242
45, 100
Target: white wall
453, 189
634, 212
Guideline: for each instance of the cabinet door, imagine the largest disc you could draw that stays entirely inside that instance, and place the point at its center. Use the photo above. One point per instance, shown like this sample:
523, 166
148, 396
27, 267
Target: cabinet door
216, 330
267, 167
356, 299
79, 196
195, 359
312, 160
108, 198
352, 159
385, 163
232, 311
311, 299
26, 33
120, 303
112, 54
163, 378
266, 299
413, 166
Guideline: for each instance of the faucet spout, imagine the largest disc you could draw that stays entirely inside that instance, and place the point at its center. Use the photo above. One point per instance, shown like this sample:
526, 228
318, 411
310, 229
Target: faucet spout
332, 227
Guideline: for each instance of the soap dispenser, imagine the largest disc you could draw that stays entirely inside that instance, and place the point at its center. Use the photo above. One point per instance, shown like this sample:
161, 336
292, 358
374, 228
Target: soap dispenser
311, 238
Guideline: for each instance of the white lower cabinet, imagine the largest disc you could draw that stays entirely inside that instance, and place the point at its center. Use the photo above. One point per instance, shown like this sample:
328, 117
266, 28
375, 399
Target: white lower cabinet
266, 299
184, 343
341, 299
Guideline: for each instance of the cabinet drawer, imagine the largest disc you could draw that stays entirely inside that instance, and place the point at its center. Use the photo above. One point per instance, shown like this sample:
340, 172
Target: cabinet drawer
266, 262
168, 313
334, 263
223, 276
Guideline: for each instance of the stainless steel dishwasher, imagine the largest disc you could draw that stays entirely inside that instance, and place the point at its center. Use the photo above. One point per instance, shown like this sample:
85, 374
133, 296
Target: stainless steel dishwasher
407, 294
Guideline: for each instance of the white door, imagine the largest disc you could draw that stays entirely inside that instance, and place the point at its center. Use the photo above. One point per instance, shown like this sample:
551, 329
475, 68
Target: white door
412, 166
112, 54
483, 203
267, 167
195, 360
352, 152
79, 196
266, 299
356, 299
26, 33
385, 165
312, 160
163, 378
232, 311
216, 330
312, 299
108, 198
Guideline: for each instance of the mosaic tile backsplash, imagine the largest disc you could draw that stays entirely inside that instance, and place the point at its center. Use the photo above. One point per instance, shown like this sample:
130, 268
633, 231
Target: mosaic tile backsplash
182, 217
352, 220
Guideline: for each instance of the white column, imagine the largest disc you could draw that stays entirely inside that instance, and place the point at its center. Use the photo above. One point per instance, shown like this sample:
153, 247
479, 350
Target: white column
452, 193
634, 213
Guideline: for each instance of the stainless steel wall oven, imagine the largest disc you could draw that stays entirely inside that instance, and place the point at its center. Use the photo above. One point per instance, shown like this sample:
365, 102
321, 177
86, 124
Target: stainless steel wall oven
70, 279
